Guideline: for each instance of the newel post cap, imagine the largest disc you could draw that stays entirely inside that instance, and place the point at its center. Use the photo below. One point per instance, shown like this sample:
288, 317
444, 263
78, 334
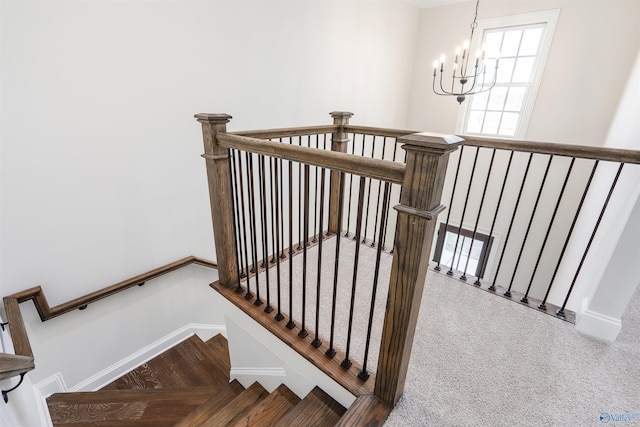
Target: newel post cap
213, 118
341, 114
433, 141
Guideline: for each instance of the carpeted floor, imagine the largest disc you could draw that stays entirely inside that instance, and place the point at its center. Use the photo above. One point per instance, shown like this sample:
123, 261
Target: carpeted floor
481, 360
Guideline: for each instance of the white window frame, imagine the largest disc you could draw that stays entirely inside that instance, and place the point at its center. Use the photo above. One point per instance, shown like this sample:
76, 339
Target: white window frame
550, 18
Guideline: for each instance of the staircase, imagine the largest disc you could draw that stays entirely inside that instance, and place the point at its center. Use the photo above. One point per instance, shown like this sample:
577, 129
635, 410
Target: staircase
188, 385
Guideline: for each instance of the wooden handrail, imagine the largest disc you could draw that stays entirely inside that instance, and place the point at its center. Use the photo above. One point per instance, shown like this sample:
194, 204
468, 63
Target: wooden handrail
287, 132
18, 331
368, 130
371, 168
578, 151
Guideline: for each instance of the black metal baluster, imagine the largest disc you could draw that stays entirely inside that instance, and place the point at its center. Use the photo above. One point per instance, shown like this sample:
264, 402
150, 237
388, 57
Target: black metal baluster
495, 216
290, 324
315, 201
453, 193
375, 223
278, 209
236, 222
526, 233
283, 253
262, 168
353, 149
272, 184
303, 331
543, 304
346, 363
363, 374
317, 342
475, 227
593, 234
464, 210
244, 222
513, 217
253, 229
331, 352
366, 215
302, 240
525, 298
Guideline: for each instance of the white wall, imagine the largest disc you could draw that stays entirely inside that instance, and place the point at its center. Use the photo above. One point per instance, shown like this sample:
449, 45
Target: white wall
589, 63
101, 174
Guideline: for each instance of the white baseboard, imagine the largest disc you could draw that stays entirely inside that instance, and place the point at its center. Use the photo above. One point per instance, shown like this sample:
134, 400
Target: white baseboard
269, 378
597, 325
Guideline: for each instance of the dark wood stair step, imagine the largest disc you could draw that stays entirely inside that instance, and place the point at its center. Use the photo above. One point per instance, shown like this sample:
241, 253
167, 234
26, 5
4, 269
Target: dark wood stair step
219, 347
317, 409
271, 409
187, 364
212, 414
133, 407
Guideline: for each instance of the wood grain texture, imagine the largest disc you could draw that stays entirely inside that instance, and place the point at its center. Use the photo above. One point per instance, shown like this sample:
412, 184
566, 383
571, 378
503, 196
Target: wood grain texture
427, 158
317, 409
220, 194
18, 331
366, 411
212, 414
347, 378
162, 407
12, 365
287, 132
578, 151
219, 349
364, 166
368, 130
268, 412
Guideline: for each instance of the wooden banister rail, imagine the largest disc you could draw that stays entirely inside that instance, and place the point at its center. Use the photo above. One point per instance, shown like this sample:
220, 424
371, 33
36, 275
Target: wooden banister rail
18, 331
422, 180
287, 132
368, 130
348, 163
569, 150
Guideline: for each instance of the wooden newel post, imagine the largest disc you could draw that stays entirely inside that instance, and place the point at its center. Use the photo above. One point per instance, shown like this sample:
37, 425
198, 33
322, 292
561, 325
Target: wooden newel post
339, 140
220, 195
427, 159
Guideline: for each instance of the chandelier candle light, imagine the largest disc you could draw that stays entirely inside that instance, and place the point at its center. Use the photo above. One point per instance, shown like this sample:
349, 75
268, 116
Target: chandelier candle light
462, 76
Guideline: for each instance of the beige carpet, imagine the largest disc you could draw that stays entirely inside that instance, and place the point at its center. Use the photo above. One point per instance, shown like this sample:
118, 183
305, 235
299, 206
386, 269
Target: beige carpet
480, 360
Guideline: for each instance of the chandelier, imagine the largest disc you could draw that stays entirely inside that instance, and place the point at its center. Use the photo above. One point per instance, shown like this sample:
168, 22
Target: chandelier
465, 80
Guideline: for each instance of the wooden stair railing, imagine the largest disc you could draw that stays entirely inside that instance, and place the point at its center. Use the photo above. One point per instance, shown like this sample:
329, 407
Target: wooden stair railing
23, 360
422, 181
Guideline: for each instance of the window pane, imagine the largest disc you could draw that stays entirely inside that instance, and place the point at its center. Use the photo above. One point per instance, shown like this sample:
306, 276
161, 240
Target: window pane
490, 69
508, 124
522, 72
491, 122
475, 121
505, 70
530, 41
497, 98
511, 43
515, 98
479, 101
492, 44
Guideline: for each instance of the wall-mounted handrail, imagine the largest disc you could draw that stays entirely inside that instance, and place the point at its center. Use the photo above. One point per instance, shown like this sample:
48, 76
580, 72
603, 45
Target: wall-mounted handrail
23, 360
363, 166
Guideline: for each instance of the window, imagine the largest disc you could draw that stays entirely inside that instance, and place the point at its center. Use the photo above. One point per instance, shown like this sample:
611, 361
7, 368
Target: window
519, 44
446, 245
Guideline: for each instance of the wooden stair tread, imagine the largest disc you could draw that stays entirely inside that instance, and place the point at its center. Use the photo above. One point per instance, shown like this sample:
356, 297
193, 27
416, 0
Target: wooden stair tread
219, 348
317, 409
214, 414
187, 364
133, 407
271, 409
